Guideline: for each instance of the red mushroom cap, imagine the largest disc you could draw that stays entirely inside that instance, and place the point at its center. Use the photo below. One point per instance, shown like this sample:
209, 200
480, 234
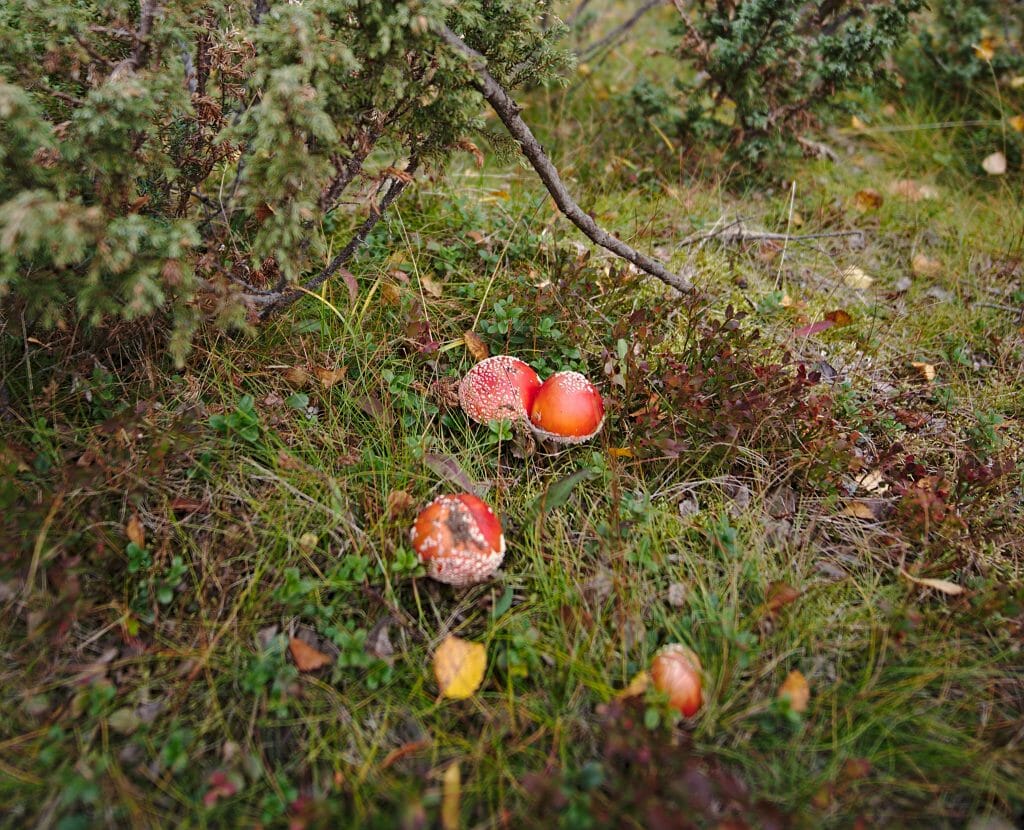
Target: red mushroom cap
567, 408
459, 539
498, 387
676, 670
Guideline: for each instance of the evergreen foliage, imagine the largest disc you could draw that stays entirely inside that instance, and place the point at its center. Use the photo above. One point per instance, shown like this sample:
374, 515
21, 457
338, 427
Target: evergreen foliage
758, 71
149, 149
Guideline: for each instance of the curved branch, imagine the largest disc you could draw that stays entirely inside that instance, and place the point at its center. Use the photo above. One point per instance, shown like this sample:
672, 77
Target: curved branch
508, 111
278, 301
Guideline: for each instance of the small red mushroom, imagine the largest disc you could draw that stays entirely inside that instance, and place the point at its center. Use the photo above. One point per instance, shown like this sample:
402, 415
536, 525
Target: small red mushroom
567, 409
498, 387
459, 539
676, 671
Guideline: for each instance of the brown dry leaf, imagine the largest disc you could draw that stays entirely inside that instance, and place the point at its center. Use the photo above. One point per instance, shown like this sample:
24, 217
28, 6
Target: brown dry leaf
1017, 123
780, 594
796, 689
306, 657
925, 266
431, 286
351, 283
839, 317
296, 377
287, 461
135, 532
859, 510
390, 294
459, 667
399, 502
328, 377
943, 585
475, 345
637, 686
867, 199
856, 278
451, 797
913, 191
857, 124
994, 164
926, 370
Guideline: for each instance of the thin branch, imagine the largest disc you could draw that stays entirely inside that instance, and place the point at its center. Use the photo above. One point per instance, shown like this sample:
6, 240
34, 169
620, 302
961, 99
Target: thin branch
508, 111
736, 232
278, 301
572, 18
618, 31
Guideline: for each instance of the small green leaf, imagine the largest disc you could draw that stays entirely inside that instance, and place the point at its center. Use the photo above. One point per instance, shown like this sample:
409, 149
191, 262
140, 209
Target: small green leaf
299, 401
558, 493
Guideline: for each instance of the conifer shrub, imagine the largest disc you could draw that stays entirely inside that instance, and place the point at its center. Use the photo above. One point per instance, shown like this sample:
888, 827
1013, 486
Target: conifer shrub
170, 157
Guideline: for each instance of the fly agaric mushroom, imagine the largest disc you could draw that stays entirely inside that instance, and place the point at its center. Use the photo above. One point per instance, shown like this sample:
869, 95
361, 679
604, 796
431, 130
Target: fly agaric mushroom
459, 539
498, 387
676, 670
567, 409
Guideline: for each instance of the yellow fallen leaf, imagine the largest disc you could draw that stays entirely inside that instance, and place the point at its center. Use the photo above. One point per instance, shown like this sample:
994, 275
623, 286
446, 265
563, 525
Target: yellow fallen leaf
637, 686
451, 797
1017, 81
856, 278
867, 199
994, 164
135, 532
925, 266
306, 657
431, 286
857, 124
796, 689
475, 345
859, 510
986, 49
926, 370
459, 667
620, 452
1017, 122
943, 585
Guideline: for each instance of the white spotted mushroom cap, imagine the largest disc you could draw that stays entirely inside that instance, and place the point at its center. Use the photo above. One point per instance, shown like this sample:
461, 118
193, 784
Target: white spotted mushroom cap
498, 387
459, 539
567, 409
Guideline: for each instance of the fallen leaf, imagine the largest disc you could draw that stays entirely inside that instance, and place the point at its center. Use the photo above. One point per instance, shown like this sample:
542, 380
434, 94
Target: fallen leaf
985, 50
637, 686
835, 318
306, 657
867, 199
994, 164
795, 688
181, 504
926, 370
447, 467
296, 377
378, 641
913, 191
307, 541
399, 502
329, 377
943, 585
860, 510
350, 283
135, 532
451, 797
925, 266
475, 345
872, 480
780, 594
856, 278
857, 124
459, 667
1017, 123
431, 286
620, 452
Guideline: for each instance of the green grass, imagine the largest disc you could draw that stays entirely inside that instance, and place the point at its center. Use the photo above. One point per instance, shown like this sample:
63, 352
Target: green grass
132, 676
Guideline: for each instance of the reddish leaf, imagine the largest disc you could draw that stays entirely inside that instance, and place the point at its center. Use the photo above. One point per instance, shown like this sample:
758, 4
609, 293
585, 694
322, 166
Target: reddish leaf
306, 657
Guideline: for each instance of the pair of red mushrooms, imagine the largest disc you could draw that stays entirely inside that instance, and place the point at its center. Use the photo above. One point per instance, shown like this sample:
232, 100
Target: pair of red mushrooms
460, 540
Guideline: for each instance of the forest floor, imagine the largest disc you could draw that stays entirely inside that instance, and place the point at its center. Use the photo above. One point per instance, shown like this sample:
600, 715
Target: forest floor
840, 496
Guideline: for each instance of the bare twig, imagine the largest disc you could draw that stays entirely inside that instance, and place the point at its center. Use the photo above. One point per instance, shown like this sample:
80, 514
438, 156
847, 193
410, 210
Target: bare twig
277, 301
618, 31
736, 232
140, 52
580, 8
508, 111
